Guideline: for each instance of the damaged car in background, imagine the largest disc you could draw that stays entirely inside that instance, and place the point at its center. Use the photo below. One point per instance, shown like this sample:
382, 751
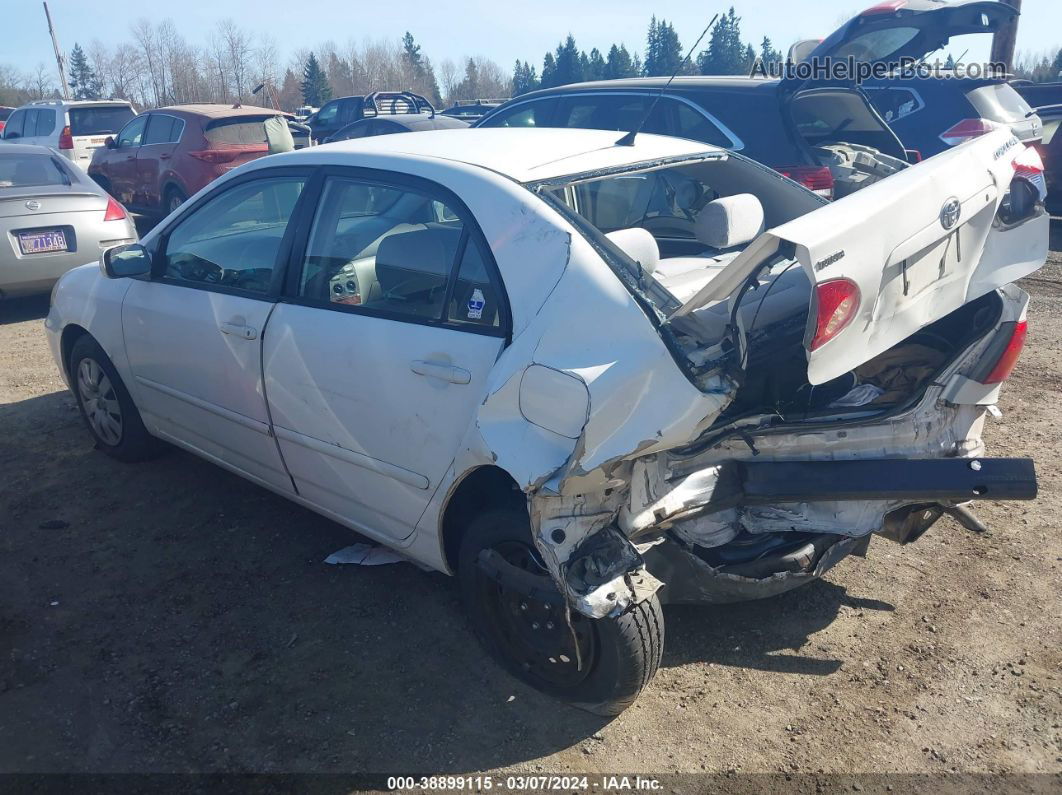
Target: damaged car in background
718, 399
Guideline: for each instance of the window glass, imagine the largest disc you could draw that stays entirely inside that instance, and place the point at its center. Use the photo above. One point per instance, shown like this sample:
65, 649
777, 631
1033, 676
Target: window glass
532, 114
877, 44
892, 103
30, 128
15, 123
380, 247
160, 129
327, 114
237, 130
620, 112
233, 240
45, 122
475, 299
23, 171
105, 120
349, 110
672, 117
133, 132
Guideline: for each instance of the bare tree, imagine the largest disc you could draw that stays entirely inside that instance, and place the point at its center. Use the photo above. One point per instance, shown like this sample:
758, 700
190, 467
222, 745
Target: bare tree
41, 84
146, 40
449, 78
237, 44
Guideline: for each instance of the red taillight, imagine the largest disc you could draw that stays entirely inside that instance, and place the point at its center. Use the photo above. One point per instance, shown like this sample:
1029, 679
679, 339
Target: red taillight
815, 178
3, 124
836, 305
216, 155
887, 7
115, 211
1029, 163
66, 140
1004, 365
966, 130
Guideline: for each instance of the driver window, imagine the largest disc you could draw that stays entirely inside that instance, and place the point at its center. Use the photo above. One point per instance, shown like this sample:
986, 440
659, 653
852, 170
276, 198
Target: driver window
233, 240
133, 132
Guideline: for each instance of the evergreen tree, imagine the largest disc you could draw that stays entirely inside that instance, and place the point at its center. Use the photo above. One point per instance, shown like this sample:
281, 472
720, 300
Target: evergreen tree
663, 51
619, 64
83, 80
524, 78
949, 64
726, 54
569, 65
595, 67
549, 71
1057, 65
315, 88
423, 73
768, 53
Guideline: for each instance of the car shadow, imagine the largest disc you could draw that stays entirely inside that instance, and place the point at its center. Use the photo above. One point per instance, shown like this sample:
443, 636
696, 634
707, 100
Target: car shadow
764, 635
171, 616
19, 310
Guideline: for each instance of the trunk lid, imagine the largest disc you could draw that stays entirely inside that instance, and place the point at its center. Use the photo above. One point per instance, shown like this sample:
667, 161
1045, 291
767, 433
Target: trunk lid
13, 202
916, 246
911, 29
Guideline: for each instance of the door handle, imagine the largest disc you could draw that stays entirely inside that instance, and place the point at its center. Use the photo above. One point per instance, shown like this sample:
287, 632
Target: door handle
239, 330
444, 372
164, 157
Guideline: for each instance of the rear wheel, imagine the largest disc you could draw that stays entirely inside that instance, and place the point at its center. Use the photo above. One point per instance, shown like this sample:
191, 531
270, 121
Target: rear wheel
106, 406
174, 198
597, 665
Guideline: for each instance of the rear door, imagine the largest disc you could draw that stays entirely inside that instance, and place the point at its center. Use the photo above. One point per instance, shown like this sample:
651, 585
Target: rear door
154, 159
120, 171
377, 359
899, 254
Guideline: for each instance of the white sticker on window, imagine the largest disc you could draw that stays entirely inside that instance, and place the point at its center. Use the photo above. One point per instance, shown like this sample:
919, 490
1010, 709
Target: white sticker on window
476, 304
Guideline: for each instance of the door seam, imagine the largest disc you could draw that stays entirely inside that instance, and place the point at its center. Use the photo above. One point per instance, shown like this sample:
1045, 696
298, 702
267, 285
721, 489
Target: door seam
265, 397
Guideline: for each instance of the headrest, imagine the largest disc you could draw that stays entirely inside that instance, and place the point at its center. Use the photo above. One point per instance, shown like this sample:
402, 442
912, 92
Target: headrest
427, 252
730, 221
638, 244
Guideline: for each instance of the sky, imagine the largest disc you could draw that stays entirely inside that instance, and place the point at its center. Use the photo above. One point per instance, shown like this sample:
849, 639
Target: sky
499, 29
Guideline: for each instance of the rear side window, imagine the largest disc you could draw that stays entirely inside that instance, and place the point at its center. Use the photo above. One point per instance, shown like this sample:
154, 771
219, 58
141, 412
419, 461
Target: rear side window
233, 240
530, 114
398, 251
40, 122
672, 117
105, 120
237, 131
600, 112
15, 123
25, 171
163, 129
893, 103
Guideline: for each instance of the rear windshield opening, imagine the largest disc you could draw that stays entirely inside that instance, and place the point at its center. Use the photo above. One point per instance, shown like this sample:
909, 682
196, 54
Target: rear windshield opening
99, 121
28, 171
241, 130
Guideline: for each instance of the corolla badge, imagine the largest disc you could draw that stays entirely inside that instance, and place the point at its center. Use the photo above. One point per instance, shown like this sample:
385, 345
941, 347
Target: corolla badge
950, 212
33, 204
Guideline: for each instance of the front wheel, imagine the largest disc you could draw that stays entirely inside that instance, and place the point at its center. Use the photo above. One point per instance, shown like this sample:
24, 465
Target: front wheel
597, 665
106, 405
174, 198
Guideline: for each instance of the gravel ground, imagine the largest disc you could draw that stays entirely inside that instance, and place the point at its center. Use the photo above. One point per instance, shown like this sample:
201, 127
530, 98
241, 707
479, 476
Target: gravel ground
172, 617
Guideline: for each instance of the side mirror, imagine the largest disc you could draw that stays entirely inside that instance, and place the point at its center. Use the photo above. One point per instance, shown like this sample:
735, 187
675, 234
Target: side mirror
109, 143
122, 262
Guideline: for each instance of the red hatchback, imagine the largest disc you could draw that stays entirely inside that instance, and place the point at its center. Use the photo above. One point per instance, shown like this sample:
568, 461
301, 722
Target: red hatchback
163, 156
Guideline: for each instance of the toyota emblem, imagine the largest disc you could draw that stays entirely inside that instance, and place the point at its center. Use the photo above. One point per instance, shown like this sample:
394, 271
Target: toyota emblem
950, 212
33, 204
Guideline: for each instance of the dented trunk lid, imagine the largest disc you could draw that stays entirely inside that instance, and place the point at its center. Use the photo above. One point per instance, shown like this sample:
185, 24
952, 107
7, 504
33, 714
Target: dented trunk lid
917, 246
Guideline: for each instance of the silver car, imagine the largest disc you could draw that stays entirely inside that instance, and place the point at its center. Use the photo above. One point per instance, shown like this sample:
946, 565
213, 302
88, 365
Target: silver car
53, 217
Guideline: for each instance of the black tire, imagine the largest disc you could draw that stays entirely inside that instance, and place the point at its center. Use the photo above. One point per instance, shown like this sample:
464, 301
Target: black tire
106, 406
620, 654
173, 199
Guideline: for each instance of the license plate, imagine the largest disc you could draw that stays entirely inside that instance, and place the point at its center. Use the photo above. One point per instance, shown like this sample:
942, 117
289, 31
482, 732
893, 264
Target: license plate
41, 242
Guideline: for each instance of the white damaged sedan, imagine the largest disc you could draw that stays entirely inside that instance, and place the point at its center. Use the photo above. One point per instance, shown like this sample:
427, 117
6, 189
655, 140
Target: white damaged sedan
586, 378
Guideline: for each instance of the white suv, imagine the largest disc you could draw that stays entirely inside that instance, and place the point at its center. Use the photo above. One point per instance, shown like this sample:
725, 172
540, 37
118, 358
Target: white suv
72, 128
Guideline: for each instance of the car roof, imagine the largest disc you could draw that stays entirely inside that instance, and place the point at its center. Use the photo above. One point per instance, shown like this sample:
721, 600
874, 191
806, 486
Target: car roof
77, 103
729, 82
525, 155
221, 111
423, 121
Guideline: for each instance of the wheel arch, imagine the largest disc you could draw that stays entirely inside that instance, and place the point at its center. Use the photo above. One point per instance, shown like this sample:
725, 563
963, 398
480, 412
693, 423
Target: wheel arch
71, 334
479, 488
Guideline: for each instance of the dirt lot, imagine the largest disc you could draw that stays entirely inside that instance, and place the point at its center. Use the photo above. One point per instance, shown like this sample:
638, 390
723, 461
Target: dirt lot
172, 617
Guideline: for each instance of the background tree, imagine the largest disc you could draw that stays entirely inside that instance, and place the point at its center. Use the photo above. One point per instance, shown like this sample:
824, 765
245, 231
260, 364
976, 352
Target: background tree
524, 78
663, 51
726, 54
619, 64
84, 82
315, 88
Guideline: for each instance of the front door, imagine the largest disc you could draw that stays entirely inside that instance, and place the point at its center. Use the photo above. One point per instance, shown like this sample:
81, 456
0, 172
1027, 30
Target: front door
155, 158
378, 357
193, 333
121, 161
